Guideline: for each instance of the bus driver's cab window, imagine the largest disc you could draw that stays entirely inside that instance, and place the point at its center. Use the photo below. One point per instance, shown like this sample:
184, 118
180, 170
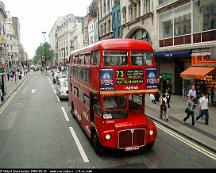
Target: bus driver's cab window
135, 102
96, 105
109, 103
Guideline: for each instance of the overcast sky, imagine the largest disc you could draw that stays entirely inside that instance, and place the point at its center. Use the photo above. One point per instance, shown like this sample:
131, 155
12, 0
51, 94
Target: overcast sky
36, 16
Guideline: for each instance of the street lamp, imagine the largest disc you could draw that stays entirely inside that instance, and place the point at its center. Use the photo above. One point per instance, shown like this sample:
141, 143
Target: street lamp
44, 34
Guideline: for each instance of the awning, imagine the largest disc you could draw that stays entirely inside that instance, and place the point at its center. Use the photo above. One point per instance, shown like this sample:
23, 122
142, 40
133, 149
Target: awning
197, 72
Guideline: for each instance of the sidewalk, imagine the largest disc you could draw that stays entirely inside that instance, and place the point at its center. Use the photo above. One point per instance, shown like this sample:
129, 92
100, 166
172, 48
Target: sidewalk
202, 134
12, 85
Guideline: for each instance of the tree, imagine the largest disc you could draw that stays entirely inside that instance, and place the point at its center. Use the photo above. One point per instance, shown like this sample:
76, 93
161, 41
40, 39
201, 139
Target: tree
43, 53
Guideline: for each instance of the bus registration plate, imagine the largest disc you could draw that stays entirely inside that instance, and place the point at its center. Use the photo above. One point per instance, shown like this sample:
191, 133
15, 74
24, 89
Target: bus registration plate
131, 148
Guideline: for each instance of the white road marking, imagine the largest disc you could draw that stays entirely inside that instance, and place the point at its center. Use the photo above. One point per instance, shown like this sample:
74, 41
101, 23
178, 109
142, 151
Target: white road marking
65, 114
7, 102
80, 148
33, 91
188, 142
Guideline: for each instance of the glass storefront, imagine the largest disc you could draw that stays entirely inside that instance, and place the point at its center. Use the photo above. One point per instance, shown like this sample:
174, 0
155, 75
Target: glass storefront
175, 24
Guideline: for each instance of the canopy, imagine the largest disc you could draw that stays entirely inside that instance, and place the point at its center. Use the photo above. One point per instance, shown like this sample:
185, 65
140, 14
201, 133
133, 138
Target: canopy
197, 72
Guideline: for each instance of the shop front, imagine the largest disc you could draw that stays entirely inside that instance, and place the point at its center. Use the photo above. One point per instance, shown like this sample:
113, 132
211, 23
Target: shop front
170, 64
204, 79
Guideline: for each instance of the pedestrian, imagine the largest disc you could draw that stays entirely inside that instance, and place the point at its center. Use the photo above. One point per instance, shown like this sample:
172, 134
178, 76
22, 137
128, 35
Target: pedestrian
1, 94
212, 95
203, 105
152, 98
190, 110
192, 92
12, 75
168, 98
8, 75
163, 107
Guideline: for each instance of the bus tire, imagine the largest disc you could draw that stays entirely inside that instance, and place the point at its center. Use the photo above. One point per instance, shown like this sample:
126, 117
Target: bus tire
96, 144
72, 111
149, 145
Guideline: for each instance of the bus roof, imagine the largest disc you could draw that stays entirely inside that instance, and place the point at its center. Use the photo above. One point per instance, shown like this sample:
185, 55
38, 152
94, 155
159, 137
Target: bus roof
118, 44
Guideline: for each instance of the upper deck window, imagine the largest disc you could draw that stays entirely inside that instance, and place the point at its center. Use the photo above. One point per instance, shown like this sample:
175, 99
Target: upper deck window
82, 59
87, 58
141, 58
112, 58
95, 58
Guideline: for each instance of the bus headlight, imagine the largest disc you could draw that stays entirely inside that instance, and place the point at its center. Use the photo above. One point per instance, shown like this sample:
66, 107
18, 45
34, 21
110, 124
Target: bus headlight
151, 132
107, 116
107, 136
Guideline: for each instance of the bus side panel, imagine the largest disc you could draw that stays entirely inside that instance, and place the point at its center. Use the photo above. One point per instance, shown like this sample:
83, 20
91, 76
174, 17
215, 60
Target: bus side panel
94, 78
85, 123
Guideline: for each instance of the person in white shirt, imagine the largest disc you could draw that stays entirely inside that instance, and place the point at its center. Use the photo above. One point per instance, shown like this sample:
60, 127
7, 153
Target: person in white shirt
192, 92
203, 105
163, 107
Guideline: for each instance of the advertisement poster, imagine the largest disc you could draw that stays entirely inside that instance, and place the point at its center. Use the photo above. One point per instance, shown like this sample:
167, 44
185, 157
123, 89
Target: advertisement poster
151, 78
106, 79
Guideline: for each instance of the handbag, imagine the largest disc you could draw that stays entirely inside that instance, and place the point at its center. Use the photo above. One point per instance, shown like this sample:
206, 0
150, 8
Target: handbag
186, 110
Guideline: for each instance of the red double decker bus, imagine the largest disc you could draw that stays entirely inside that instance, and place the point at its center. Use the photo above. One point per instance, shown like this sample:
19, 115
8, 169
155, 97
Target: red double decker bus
107, 85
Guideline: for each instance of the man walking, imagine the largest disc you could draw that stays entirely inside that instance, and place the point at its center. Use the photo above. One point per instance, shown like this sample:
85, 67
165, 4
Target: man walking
204, 108
190, 110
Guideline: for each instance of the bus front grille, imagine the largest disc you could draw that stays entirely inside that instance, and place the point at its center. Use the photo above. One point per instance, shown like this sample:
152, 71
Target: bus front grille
131, 138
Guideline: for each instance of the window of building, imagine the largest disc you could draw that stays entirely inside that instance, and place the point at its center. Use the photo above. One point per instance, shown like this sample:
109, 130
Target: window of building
166, 25
104, 8
204, 15
182, 20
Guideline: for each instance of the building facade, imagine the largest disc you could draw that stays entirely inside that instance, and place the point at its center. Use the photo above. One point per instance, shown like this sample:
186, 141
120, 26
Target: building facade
116, 20
137, 20
3, 40
93, 30
14, 48
65, 36
186, 29
105, 19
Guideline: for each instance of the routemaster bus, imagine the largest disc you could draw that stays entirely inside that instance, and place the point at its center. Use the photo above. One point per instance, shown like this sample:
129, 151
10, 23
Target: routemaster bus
108, 81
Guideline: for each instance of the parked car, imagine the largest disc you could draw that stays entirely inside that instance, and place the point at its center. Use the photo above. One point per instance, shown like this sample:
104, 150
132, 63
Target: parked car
58, 75
62, 88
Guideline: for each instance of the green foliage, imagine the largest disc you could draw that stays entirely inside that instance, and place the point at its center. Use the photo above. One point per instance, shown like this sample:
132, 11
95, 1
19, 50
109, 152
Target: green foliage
43, 52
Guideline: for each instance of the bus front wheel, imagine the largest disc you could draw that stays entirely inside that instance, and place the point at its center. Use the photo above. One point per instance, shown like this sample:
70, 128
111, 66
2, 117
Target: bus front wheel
96, 144
149, 145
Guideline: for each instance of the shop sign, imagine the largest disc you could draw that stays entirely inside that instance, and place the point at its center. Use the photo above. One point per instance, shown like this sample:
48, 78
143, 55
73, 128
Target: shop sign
166, 75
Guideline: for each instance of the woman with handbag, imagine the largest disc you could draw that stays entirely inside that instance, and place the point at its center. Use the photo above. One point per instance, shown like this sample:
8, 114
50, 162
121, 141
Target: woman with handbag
190, 109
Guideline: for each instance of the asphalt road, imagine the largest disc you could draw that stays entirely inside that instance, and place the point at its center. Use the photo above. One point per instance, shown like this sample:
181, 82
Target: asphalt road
36, 133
